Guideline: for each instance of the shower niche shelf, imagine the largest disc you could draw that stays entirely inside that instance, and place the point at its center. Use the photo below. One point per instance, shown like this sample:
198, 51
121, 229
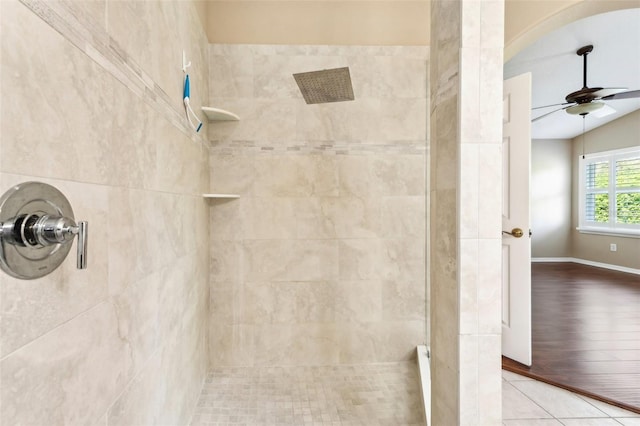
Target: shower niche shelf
217, 114
220, 196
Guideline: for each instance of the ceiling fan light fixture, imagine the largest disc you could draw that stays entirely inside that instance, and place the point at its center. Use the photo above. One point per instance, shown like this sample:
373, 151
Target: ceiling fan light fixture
585, 108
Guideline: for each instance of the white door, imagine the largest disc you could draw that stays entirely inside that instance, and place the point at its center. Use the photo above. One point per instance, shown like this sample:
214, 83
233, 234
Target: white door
516, 246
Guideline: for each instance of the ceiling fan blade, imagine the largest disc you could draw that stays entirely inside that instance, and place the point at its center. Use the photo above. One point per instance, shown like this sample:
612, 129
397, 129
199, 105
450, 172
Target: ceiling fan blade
552, 105
624, 95
549, 113
604, 111
608, 91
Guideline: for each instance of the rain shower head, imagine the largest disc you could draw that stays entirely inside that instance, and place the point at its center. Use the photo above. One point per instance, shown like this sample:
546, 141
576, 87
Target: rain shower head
324, 86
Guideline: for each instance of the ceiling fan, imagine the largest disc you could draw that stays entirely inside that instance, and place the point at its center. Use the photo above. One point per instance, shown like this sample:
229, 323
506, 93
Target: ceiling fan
589, 99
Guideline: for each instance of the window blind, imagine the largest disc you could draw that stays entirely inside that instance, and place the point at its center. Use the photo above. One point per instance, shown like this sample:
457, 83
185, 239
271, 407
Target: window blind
610, 191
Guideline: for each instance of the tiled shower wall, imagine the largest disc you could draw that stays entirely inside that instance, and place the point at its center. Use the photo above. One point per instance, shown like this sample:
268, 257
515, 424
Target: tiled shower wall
466, 204
91, 98
322, 258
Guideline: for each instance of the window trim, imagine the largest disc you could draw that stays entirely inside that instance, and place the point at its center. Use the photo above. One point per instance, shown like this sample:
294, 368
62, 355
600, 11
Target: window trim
612, 228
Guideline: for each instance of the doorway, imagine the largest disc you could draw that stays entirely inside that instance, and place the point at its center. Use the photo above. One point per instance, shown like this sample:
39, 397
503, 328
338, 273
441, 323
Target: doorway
566, 229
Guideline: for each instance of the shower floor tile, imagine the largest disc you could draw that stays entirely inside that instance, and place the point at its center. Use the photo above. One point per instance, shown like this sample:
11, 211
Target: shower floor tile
346, 395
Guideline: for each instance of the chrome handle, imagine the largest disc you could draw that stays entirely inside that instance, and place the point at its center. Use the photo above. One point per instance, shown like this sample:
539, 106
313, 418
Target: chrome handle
42, 231
515, 232
37, 228
53, 230
83, 228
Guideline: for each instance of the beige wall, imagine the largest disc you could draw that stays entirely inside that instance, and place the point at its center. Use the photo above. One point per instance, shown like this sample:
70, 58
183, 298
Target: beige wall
98, 115
321, 260
363, 22
621, 133
348, 22
202, 9
524, 16
551, 197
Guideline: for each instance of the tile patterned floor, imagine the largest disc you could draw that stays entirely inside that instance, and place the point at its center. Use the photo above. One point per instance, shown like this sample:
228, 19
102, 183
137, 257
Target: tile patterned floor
527, 402
373, 394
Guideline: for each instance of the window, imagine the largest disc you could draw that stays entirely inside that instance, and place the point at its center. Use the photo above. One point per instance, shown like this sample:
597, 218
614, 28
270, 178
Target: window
610, 192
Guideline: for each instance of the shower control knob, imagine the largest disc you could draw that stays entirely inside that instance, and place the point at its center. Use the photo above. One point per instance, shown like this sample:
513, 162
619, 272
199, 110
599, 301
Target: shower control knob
41, 231
55, 230
61, 230
36, 231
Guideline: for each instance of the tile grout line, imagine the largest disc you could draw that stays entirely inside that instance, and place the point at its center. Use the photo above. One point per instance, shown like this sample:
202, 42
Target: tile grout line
559, 419
535, 403
105, 299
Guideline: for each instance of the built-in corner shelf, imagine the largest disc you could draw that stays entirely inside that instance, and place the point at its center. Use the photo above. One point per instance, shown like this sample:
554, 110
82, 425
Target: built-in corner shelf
220, 196
217, 114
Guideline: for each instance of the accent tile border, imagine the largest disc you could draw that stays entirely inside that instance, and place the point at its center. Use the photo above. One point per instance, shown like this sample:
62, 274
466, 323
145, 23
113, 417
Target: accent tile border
226, 49
320, 148
105, 51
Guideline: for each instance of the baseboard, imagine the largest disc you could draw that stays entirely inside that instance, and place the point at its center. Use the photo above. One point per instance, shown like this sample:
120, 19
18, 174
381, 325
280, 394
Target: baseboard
425, 380
551, 259
587, 262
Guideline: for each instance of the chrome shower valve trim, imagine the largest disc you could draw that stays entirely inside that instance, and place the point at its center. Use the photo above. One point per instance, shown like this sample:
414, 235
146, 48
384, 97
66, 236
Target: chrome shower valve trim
36, 231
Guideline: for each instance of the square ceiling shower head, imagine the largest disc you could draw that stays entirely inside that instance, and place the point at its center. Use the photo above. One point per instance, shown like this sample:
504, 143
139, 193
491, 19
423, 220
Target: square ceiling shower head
319, 87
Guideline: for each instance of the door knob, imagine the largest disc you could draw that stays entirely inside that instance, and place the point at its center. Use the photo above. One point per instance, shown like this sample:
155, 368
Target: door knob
515, 232
36, 231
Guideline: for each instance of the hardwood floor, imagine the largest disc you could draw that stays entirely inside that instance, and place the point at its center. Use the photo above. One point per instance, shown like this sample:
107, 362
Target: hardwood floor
585, 332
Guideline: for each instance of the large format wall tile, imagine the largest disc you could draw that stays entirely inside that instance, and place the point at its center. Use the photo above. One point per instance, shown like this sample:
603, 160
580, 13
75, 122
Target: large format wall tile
338, 217
403, 216
143, 400
231, 344
31, 308
57, 128
398, 175
74, 373
146, 31
465, 228
295, 176
322, 258
345, 121
387, 259
293, 260
92, 104
277, 215
148, 399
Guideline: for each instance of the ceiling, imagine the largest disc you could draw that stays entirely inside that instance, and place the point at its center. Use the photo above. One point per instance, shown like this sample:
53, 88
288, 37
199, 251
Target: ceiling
557, 70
